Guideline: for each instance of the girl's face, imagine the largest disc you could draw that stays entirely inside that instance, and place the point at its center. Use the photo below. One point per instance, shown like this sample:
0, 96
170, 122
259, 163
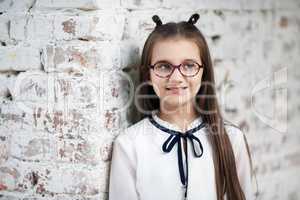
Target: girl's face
176, 90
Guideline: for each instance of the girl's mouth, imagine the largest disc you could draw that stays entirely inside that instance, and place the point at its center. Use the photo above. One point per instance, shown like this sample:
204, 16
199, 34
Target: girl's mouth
176, 90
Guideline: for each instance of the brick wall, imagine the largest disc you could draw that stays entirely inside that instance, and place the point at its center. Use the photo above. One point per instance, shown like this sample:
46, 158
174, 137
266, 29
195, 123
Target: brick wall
64, 96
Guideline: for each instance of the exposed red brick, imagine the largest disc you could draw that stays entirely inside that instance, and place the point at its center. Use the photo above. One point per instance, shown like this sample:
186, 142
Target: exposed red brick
114, 92
3, 187
106, 152
110, 119
58, 119
69, 26
284, 22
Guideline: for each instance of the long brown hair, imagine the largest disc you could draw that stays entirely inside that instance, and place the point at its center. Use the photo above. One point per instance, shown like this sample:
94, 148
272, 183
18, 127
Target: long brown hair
223, 156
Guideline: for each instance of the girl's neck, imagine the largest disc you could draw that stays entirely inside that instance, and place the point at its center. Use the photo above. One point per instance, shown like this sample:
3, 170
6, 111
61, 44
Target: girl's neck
181, 117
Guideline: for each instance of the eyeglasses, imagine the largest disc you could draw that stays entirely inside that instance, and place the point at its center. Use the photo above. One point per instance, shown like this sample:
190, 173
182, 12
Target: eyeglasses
165, 69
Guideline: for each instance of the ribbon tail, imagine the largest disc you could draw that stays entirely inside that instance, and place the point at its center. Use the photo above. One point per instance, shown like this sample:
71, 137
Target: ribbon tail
180, 163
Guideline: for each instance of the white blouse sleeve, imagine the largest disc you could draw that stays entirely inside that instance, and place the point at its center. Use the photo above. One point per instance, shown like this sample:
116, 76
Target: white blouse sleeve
243, 165
122, 184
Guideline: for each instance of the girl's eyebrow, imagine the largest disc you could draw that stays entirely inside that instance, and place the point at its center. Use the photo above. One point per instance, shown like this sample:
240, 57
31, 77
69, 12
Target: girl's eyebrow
191, 60
164, 60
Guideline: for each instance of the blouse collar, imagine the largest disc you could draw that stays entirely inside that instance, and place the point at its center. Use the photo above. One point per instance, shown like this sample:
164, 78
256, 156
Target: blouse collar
196, 122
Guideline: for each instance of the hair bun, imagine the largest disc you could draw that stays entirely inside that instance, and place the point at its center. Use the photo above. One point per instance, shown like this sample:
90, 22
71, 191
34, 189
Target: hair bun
157, 20
194, 18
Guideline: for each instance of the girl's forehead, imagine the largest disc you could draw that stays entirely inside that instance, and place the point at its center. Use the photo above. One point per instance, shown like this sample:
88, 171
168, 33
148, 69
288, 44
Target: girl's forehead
175, 50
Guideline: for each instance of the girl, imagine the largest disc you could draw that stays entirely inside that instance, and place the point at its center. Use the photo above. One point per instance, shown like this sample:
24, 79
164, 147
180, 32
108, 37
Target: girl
181, 149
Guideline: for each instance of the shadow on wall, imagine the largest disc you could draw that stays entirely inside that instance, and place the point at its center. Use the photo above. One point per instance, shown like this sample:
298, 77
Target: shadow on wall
132, 70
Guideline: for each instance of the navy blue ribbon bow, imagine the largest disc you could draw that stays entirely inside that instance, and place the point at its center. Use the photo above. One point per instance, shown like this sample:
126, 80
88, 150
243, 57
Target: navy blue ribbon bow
175, 138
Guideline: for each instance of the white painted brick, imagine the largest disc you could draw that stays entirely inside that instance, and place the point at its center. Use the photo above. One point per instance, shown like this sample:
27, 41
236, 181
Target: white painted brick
77, 181
39, 28
210, 23
94, 92
33, 89
203, 4
32, 146
94, 26
77, 56
6, 196
257, 4
101, 195
3, 87
13, 6
7, 83
69, 105
284, 41
118, 91
32, 28
140, 4
288, 4
139, 24
77, 92
53, 178
18, 24
85, 151
79, 4
248, 29
4, 147
41, 147
225, 49
4, 5
64, 123
4, 21
11, 116
21, 6
19, 58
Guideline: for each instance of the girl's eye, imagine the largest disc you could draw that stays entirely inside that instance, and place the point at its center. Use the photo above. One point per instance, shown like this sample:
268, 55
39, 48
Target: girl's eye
189, 65
163, 66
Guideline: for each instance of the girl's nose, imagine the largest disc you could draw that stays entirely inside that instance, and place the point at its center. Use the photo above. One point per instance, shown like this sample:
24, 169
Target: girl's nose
176, 75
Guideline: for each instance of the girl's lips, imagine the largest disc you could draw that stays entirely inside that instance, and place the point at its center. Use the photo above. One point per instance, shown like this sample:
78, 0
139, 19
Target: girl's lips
176, 90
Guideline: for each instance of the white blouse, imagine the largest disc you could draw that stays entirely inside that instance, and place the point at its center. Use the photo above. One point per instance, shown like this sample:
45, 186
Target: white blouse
146, 165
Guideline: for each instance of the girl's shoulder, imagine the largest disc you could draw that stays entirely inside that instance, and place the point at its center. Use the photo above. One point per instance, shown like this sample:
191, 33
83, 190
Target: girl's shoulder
133, 131
232, 129
235, 134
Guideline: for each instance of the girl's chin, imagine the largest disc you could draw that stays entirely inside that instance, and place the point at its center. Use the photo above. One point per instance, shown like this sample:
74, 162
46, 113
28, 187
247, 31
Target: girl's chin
175, 102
